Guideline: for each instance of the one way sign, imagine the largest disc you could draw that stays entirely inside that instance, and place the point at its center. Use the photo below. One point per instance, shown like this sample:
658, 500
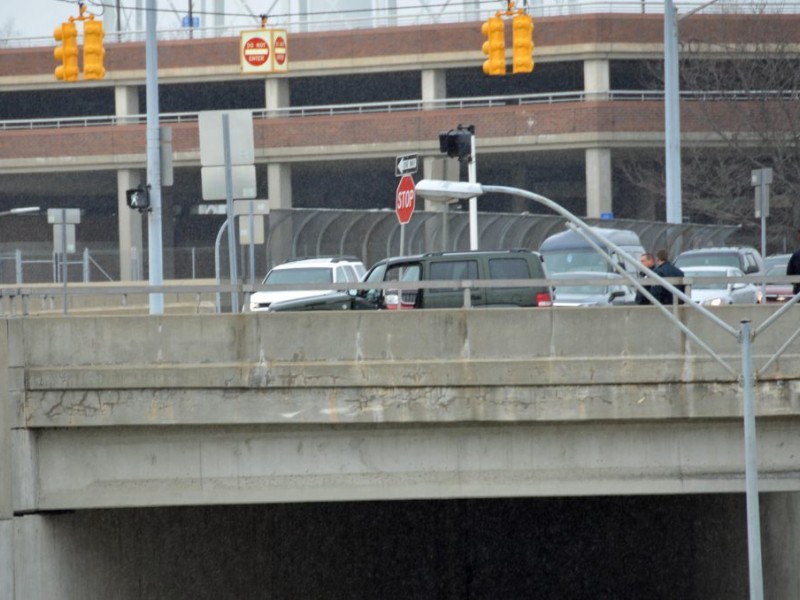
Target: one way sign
405, 165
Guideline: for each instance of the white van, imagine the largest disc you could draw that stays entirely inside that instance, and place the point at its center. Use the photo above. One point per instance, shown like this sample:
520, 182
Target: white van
567, 251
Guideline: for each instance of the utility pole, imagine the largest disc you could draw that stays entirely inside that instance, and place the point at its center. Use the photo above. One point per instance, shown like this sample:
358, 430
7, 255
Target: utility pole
154, 240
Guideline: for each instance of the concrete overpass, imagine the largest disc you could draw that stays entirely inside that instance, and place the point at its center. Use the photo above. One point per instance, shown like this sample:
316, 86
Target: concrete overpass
138, 413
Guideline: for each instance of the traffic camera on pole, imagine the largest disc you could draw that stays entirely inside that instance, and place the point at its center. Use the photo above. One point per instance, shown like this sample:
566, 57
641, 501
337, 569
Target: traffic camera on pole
522, 40
67, 52
495, 46
93, 51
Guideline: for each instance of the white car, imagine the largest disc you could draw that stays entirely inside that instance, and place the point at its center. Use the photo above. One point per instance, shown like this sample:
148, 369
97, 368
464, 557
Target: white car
306, 271
611, 293
718, 294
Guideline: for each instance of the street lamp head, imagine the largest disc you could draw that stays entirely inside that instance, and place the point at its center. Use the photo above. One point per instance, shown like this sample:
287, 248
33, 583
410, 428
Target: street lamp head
436, 188
21, 210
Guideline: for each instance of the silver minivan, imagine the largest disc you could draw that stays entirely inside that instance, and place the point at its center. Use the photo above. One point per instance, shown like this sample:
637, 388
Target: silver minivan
568, 252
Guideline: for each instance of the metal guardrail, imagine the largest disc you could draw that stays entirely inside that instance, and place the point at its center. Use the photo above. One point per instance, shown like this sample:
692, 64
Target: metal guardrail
332, 110
17, 300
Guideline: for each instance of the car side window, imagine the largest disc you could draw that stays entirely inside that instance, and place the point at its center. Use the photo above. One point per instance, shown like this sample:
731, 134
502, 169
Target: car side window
750, 264
508, 268
349, 273
445, 270
404, 272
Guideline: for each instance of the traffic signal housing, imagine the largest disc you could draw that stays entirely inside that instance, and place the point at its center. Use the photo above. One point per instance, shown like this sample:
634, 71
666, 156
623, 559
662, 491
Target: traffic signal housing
495, 46
522, 43
456, 143
66, 52
139, 198
93, 51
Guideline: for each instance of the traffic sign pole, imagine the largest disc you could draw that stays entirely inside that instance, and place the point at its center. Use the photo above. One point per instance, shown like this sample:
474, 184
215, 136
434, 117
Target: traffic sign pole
473, 202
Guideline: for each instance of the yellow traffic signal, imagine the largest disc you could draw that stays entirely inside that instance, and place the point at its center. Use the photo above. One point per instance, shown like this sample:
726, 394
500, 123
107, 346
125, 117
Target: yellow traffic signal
67, 52
522, 40
495, 46
93, 51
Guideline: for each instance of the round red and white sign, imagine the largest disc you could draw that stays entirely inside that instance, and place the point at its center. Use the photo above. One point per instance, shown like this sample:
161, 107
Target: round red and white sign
279, 47
256, 51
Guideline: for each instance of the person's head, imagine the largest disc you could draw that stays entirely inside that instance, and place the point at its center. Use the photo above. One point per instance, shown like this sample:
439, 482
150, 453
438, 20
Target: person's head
647, 260
662, 256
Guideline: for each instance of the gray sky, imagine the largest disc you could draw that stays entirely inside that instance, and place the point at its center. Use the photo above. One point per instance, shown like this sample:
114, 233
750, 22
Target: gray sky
36, 18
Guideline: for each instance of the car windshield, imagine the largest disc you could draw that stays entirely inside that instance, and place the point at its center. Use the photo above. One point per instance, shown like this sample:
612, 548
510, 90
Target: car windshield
708, 258
563, 261
777, 270
299, 275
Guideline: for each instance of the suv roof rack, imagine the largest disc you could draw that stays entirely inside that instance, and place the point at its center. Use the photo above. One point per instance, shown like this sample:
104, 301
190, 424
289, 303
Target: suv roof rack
332, 258
482, 250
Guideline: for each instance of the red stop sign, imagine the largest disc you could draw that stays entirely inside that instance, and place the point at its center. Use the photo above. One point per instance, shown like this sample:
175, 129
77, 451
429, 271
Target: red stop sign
405, 199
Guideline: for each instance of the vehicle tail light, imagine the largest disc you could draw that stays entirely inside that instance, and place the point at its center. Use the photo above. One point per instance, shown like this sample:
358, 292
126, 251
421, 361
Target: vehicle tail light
544, 299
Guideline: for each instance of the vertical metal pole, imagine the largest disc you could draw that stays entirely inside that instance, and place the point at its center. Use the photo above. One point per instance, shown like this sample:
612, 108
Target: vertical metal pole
672, 114
252, 256
402, 239
762, 199
154, 240
751, 467
18, 264
217, 261
226, 143
473, 202
64, 264
86, 272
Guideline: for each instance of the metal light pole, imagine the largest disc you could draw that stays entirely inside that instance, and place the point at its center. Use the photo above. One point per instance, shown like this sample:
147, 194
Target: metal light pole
672, 114
473, 202
449, 189
154, 240
672, 110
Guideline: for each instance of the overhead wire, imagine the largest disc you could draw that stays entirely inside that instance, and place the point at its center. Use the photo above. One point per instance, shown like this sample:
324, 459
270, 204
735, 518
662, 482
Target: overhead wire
466, 4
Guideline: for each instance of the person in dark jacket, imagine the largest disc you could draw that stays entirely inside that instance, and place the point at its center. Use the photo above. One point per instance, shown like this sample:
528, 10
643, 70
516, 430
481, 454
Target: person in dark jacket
664, 268
793, 266
648, 261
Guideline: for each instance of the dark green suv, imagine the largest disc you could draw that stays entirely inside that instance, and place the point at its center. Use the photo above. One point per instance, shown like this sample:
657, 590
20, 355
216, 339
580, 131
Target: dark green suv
442, 266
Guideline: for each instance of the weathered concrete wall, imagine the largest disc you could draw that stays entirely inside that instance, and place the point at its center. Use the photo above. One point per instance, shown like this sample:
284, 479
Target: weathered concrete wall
131, 411
138, 411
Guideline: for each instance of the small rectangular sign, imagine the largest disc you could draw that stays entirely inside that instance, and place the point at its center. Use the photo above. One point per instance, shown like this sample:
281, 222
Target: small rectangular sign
406, 165
240, 137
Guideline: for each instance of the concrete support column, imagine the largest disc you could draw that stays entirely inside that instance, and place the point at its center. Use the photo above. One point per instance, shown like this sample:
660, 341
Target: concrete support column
596, 84
596, 79
433, 87
434, 167
598, 182
129, 222
276, 94
279, 185
131, 248
279, 175
437, 230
